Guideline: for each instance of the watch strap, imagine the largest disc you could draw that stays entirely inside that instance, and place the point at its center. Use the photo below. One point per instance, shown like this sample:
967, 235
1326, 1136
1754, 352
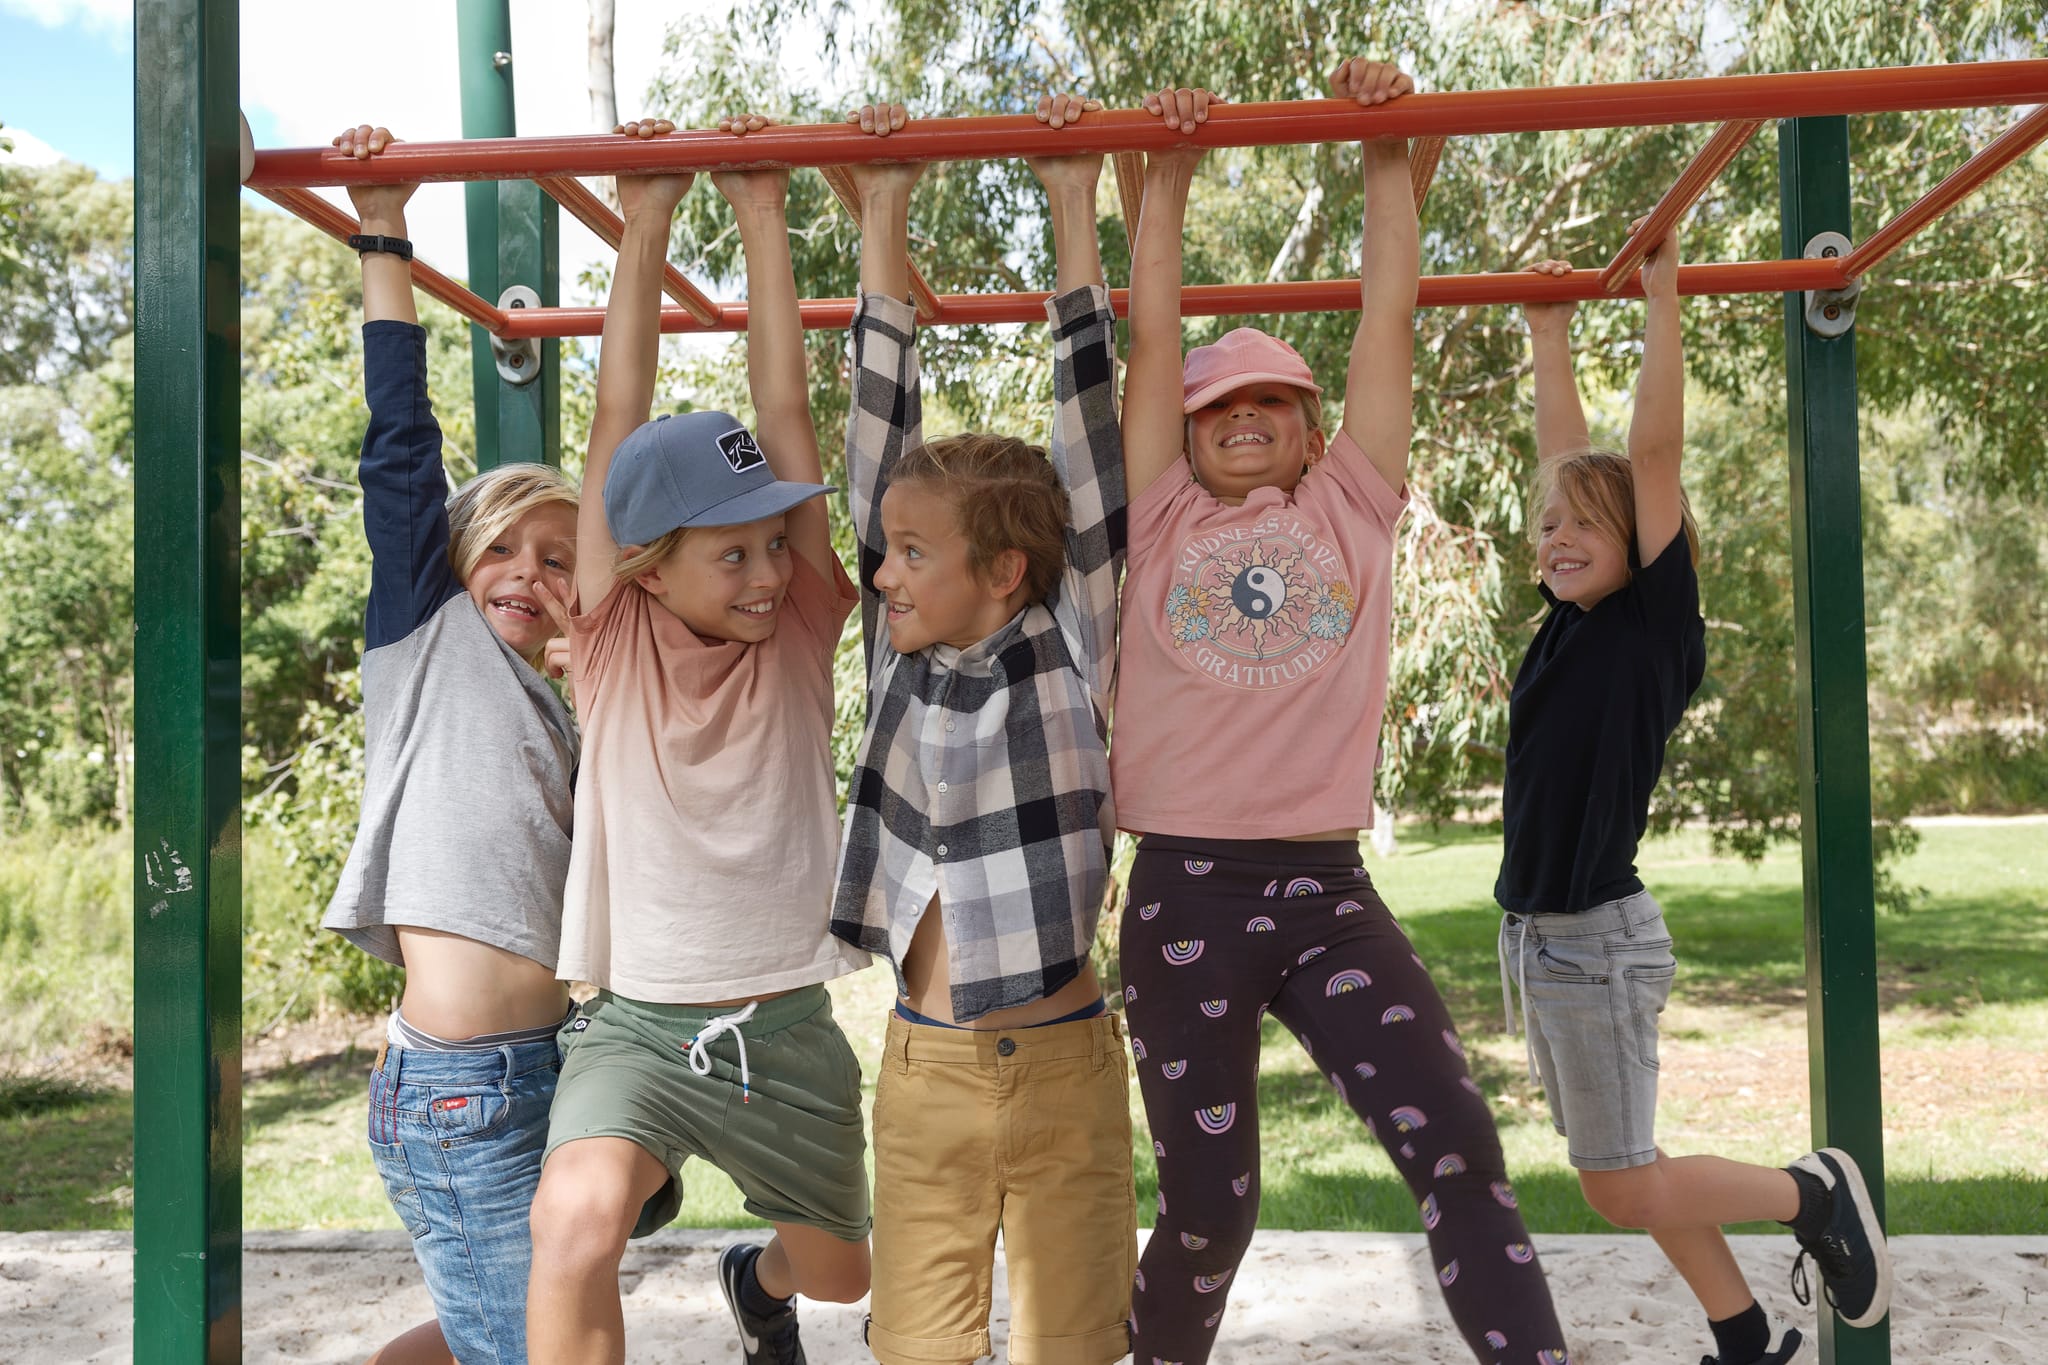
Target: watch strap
365, 243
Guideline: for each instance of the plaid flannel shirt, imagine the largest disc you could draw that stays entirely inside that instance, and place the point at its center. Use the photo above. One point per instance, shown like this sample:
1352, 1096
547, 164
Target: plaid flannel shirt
983, 778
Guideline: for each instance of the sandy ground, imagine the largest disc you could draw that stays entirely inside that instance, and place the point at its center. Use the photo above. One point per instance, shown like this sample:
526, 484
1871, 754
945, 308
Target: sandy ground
1301, 1297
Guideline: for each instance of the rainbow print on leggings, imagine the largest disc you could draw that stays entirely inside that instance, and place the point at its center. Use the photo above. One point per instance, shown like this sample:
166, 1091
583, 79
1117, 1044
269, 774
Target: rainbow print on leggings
1431, 1214
1521, 1253
1260, 924
1349, 907
1209, 1284
1199, 867
1241, 1184
1503, 1194
1451, 1165
1173, 1071
1149, 911
1310, 956
1548, 1356
1448, 1275
1366, 1071
1497, 1340
1182, 951
1304, 886
1215, 1009
1216, 1119
1344, 982
1398, 1014
1408, 1118
1192, 1242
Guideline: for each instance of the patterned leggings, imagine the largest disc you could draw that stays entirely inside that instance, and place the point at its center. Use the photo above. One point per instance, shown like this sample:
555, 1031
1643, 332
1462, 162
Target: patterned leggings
1217, 933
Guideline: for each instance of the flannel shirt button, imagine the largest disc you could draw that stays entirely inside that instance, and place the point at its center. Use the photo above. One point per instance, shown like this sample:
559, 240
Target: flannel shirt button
949, 727
940, 851
942, 786
1007, 1047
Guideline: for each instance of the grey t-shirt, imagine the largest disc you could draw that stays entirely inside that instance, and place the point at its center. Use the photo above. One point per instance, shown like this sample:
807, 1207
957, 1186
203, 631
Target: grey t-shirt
469, 754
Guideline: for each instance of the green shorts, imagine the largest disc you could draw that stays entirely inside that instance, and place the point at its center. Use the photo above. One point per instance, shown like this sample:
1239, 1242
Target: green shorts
794, 1145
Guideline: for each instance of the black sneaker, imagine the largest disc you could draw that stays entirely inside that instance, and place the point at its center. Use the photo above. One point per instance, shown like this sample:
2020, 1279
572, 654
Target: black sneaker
770, 1340
1788, 1347
1850, 1252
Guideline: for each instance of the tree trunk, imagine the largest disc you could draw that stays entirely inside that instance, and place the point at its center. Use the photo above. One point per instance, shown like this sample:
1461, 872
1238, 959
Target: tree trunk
604, 87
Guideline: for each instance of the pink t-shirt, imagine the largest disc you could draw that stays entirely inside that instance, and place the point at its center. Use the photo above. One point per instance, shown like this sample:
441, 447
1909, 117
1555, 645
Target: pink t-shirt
1255, 645
707, 835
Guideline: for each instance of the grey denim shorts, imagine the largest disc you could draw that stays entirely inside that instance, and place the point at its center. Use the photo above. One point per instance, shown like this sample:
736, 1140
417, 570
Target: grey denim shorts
1593, 985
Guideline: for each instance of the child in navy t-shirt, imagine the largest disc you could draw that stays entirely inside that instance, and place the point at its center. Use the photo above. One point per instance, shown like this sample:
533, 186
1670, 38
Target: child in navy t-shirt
1596, 699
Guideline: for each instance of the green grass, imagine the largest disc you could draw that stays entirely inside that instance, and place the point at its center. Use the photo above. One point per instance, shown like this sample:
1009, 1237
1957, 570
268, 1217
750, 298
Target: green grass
68, 1160
1964, 1028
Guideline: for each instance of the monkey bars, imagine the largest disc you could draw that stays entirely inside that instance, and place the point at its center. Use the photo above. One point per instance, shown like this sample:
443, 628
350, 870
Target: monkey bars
1741, 104
188, 822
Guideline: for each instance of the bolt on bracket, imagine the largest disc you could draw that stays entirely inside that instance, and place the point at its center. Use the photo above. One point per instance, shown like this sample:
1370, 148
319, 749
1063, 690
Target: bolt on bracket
518, 359
1831, 312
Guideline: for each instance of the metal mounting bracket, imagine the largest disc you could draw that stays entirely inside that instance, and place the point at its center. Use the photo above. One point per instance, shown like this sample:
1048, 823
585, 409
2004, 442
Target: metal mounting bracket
518, 359
1831, 312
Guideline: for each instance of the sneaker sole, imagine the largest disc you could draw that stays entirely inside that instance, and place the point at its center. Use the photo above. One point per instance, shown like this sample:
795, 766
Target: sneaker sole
729, 1286
1881, 1252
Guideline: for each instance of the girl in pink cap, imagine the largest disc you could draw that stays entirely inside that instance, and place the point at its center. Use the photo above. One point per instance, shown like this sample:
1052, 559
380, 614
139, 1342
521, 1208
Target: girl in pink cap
1255, 645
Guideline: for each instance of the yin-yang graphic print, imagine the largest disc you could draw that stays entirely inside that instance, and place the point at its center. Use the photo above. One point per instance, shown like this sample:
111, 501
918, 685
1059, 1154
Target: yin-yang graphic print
1262, 604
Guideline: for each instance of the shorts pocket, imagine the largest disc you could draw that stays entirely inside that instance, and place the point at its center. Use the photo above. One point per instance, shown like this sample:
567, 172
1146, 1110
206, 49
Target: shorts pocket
1649, 988
393, 1168
463, 1113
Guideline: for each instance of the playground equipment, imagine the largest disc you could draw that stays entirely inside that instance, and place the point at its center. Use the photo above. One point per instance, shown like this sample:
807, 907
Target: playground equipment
188, 827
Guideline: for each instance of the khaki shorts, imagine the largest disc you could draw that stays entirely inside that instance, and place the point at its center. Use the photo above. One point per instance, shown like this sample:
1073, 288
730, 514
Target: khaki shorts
1028, 1130
794, 1146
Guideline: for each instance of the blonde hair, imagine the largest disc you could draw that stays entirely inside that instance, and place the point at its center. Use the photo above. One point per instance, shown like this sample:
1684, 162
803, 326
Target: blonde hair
485, 507
630, 566
1005, 495
1600, 487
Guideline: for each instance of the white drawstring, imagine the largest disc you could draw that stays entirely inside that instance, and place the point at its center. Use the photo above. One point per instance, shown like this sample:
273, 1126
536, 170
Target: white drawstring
1521, 981
700, 1060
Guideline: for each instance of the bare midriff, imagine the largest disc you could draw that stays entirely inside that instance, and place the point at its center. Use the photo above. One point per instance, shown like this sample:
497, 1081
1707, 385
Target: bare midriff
1327, 836
457, 988
929, 984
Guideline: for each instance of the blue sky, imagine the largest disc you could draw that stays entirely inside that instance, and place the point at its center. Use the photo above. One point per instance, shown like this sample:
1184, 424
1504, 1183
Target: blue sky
71, 87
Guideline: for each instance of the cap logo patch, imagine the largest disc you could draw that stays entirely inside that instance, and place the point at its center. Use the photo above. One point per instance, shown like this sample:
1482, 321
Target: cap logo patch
740, 451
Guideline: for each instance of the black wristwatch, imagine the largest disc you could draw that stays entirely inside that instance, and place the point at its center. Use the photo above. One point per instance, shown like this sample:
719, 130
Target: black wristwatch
368, 242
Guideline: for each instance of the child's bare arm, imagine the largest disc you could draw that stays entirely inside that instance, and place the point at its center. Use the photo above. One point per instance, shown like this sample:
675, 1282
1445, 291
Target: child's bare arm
1560, 418
1379, 385
884, 207
1154, 422
1070, 183
1656, 430
776, 375
630, 355
387, 280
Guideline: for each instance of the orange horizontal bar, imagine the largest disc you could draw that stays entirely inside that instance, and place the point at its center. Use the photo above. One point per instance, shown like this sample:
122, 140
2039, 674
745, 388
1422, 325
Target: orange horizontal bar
1700, 172
338, 224
2008, 147
1217, 300
597, 215
1715, 99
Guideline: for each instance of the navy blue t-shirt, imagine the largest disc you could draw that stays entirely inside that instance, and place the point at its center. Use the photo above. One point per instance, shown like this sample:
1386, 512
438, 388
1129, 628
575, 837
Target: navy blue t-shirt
1596, 698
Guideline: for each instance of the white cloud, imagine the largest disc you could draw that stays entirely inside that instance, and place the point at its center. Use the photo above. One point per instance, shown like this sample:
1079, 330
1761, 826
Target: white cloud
114, 18
314, 77
29, 150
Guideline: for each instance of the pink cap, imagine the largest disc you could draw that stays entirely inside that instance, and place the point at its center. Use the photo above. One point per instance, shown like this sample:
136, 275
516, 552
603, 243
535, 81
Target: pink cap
1241, 357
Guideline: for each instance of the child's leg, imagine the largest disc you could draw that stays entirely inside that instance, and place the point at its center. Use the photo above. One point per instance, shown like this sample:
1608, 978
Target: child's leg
591, 1194
809, 1261
938, 1200
1366, 1009
1069, 1211
422, 1345
1200, 962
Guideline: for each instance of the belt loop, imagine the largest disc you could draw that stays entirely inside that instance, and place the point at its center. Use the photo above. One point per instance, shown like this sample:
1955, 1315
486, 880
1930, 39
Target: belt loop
1098, 1041
505, 1080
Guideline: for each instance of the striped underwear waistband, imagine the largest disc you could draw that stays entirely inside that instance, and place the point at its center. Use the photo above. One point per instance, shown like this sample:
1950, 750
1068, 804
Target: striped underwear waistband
399, 1033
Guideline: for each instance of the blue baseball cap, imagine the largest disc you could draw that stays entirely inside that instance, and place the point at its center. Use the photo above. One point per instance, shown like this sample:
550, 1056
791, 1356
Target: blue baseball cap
693, 469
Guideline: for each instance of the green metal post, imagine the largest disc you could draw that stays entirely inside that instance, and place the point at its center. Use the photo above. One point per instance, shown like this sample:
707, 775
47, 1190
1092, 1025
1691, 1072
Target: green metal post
188, 682
513, 240
1834, 712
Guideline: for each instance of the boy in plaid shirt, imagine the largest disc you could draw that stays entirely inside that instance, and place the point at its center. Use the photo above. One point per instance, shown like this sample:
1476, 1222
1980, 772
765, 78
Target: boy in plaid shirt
979, 822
